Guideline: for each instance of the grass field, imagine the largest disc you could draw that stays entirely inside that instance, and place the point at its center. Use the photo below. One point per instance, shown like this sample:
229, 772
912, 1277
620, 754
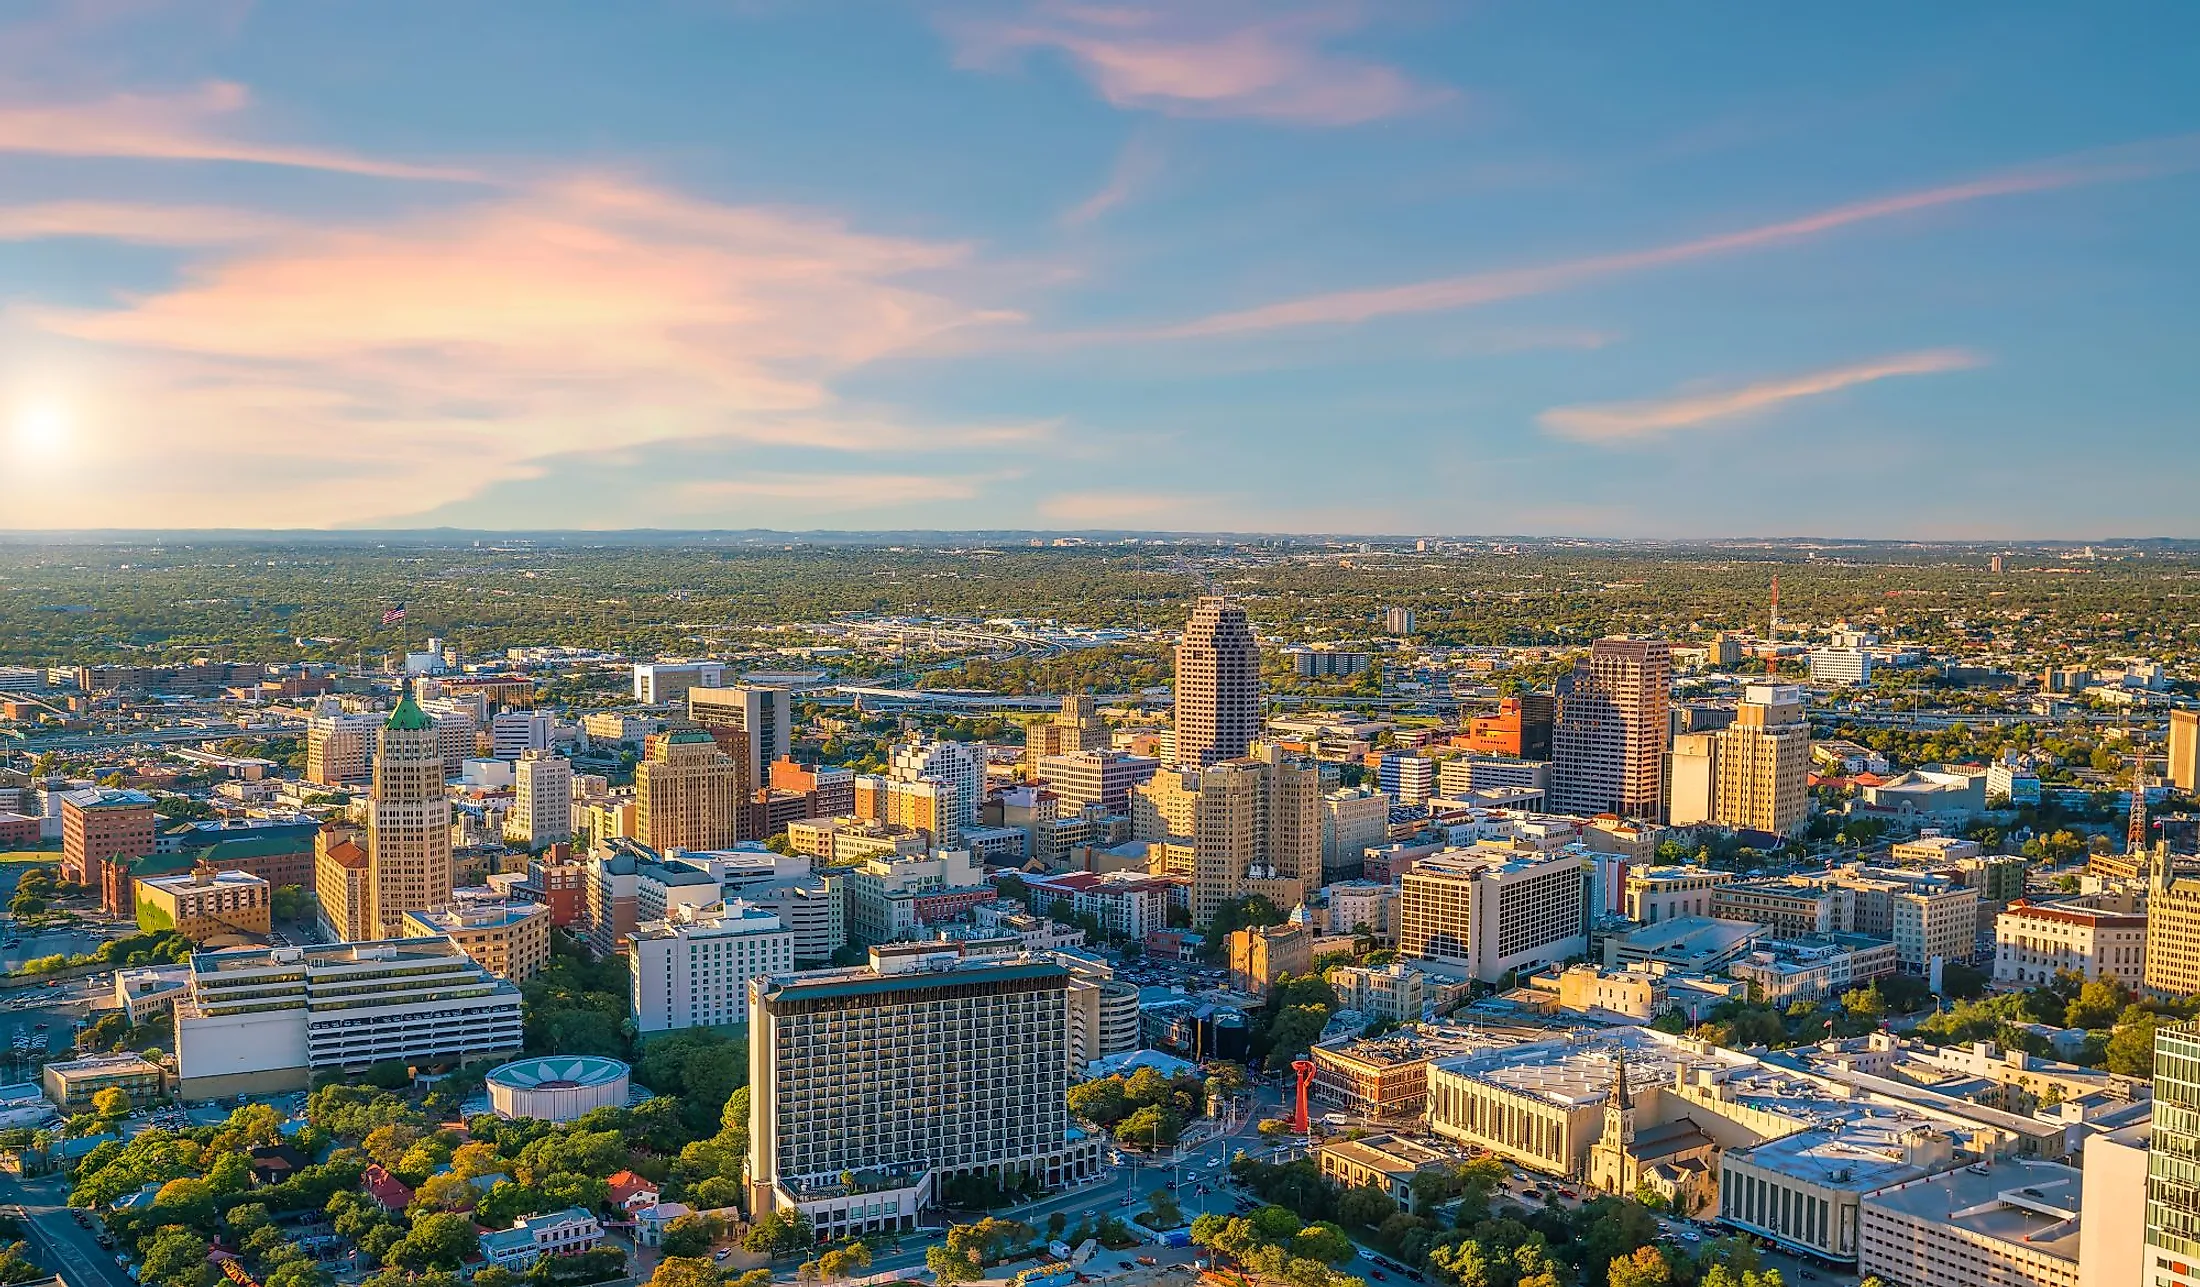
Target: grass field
30, 855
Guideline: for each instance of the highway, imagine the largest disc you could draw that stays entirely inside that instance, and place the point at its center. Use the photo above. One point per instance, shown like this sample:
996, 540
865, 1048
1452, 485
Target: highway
96, 741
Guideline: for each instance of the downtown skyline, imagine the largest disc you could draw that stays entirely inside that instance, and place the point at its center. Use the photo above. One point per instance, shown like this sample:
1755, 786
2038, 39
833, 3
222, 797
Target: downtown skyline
1266, 268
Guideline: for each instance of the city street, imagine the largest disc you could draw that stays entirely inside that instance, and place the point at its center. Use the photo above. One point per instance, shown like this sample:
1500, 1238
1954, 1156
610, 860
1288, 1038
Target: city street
56, 1240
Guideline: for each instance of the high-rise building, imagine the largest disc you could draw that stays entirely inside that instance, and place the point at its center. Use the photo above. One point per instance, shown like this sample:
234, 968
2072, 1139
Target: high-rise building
2173, 930
510, 940
1217, 695
923, 1068
205, 903
686, 792
753, 724
1398, 621
1609, 743
336, 750
1841, 667
693, 969
1408, 779
958, 765
2184, 750
1254, 825
408, 819
542, 804
2173, 1183
1763, 763
1484, 915
1077, 728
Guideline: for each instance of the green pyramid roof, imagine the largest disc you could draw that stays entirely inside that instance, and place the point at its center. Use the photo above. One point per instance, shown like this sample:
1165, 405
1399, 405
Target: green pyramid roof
408, 716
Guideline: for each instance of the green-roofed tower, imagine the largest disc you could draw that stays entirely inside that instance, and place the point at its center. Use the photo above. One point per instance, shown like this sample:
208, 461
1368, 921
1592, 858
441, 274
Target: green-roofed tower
408, 716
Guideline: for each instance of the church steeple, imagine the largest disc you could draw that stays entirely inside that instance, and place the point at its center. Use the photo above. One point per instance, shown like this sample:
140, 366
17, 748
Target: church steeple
1619, 1107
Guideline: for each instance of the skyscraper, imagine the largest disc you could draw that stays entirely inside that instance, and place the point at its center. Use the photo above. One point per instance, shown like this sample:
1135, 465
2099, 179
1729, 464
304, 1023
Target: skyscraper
1609, 743
1217, 685
958, 765
2184, 750
752, 724
1763, 762
686, 792
2173, 1186
408, 820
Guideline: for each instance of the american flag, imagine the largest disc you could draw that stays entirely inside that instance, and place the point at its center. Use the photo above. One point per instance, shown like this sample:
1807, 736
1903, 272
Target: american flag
391, 616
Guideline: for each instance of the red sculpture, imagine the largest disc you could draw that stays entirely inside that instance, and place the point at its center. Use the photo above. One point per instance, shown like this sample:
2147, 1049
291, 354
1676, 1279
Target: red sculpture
1305, 1069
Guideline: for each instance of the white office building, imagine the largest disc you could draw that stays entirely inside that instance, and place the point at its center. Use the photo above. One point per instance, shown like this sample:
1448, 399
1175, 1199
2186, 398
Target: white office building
515, 733
265, 1019
1841, 667
693, 970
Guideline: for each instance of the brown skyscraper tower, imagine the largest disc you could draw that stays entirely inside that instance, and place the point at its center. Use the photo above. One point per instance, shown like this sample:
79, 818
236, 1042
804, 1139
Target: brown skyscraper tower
409, 821
1217, 685
685, 792
1609, 743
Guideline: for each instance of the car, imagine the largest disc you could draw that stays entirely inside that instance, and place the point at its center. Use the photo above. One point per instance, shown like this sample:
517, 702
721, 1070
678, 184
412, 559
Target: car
721, 1253
80, 1217
1375, 1274
105, 1240
1213, 1162
121, 1259
43, 1025
1122, 1202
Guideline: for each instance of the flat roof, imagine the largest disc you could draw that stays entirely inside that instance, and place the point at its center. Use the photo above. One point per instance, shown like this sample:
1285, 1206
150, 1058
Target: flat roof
1857, 1154
2029, 1203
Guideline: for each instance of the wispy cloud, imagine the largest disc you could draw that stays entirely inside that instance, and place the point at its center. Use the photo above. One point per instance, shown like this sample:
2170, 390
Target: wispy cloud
180, 127
1616, 422
1225, 58
1136, 167
393, 367
833, 492
151, 225
1469, 290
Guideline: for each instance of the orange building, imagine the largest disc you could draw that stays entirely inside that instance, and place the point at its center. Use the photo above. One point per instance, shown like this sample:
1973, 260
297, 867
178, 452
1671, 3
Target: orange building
1521, 729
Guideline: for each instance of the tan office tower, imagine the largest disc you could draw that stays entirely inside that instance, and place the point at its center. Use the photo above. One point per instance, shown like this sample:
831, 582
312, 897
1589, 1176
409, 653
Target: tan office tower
1293, 819
1226, 834
343, 888
686, 792
1077, 728
336, 750
1217, 685
408, 820
1610, 740
2184, 750
1763, 763
2173, 930
753, 724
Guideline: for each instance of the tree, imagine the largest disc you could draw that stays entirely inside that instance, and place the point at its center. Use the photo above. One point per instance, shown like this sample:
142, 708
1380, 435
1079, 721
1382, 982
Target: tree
952, 1267
439, 1240
1365, 1206
689, 1235
175, 1257
112, 1103
1645, 1268
1167, 1214
1324, 1242
1295, 1029
1100, 1101
845, 1262
779, 1233
2131, 1046
1152, 1126
678, 1271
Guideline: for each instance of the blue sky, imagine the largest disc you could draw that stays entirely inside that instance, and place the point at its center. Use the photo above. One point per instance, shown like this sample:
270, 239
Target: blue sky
1298, 265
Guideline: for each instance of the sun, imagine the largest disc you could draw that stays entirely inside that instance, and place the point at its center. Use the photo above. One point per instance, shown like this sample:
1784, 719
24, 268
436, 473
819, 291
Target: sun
41, 429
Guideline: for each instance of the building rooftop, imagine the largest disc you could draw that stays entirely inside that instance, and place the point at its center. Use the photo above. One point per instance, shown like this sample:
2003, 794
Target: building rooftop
390, 951
408, 717
1871, 1148
476, 916
203, 878
1692, 940
98, 1065
558, 1071
108, 798
2031, 1203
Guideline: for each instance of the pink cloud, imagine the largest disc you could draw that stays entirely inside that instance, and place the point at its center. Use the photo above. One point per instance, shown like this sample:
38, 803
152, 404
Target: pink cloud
323, 376
1215, 58
1469, 290
1627, 421
178, 127
1136, 167
152, 225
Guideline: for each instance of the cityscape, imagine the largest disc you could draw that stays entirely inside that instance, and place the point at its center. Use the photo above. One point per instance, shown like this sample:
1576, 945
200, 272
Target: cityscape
1099, 643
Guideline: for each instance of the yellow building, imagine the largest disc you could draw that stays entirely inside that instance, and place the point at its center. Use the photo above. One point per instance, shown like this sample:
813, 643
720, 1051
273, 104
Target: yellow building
204, 903
71, 1083
686, 793
343, 888
1636, 993
510, 940
1763, 762
408, 819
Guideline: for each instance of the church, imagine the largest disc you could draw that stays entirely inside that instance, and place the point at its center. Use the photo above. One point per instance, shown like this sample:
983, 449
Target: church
1675, 1161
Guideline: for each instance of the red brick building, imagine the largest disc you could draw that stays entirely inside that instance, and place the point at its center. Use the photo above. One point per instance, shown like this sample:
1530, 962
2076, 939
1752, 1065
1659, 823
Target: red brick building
99, 823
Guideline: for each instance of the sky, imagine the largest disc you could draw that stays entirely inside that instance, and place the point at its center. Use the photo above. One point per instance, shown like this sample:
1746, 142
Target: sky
1376, 266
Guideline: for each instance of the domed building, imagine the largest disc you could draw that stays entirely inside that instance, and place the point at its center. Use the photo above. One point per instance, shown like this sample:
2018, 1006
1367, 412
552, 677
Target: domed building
558, 1088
